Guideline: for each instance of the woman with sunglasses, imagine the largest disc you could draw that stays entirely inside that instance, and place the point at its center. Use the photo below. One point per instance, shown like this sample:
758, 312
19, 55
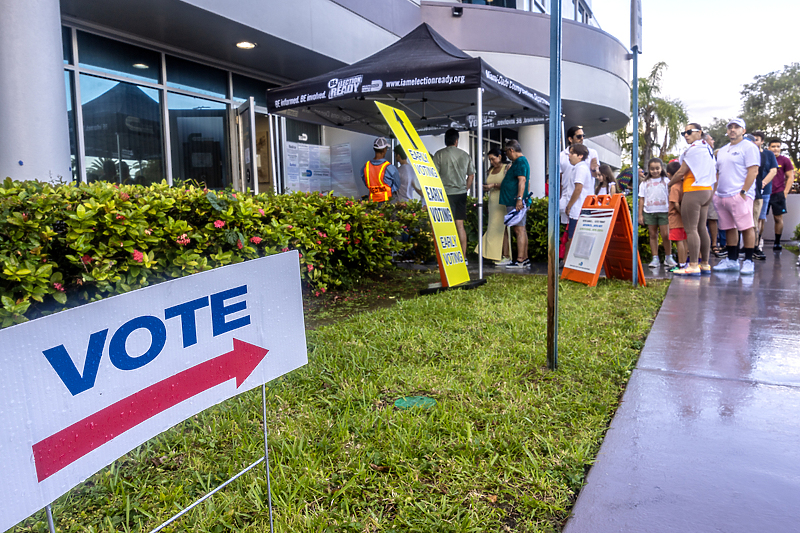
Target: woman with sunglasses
698, 173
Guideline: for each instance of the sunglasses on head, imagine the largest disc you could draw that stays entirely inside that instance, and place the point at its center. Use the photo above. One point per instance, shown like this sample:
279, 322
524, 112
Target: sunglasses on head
689, 132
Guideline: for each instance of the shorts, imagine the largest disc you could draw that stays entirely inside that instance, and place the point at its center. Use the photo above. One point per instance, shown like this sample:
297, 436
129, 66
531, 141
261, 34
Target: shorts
734, 212
458, 205
677, 234
523, 222
656, 219
777, 203
712, 212
764, 207
573, 223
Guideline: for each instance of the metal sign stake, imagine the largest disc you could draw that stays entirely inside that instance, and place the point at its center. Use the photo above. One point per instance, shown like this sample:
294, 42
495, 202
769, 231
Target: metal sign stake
266, 454
50, 523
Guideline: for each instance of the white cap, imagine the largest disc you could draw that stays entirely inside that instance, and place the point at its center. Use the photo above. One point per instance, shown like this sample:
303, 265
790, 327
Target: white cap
738, 122
380, 143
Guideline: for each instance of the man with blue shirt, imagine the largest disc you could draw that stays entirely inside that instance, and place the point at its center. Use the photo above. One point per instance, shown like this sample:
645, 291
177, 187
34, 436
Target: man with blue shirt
513, 190
766, 172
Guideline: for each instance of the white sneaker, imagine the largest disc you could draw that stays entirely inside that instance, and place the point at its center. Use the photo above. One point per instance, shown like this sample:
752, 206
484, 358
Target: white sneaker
726, 265
655, 263
670, 262
503, 262
748, 267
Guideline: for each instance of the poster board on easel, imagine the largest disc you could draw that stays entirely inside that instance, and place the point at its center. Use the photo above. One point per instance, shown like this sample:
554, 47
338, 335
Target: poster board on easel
603, 239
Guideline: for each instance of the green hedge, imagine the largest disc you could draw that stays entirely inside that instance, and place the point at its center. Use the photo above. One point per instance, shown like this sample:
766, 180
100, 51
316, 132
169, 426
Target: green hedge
65, 245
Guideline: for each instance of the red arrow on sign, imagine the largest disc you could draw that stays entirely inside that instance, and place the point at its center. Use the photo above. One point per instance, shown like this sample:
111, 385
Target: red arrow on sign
70, 444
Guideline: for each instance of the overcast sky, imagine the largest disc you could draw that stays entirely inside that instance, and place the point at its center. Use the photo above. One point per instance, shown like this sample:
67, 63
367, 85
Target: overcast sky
712, 47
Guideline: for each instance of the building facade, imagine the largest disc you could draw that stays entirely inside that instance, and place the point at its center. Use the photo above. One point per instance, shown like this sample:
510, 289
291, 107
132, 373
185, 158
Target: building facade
139, 91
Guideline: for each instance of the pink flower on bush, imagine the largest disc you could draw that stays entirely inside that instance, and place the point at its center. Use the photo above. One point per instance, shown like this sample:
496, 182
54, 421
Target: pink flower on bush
58, 287
323, 290
285, 250
124, 196
120, 217
289, 227
183, 240
347, 227
255, 240
358, 241
138, 256
319, 242
310, 267
239, 244
148, 232
261, 212
380, 214
316, 293
301, 255
86, 259
219, 224
234, 195
331, 250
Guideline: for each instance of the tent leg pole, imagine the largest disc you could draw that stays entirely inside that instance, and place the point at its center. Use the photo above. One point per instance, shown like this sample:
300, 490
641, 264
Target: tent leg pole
480, 182
553, 227
635, 169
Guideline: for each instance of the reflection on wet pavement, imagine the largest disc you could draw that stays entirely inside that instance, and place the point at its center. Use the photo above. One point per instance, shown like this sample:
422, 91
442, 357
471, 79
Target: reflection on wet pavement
707, 437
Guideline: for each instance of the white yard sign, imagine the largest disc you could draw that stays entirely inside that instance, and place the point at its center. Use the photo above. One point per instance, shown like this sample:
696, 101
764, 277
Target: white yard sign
83, 387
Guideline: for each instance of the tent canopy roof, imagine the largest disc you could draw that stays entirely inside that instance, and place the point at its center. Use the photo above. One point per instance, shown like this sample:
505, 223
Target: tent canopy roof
431, 79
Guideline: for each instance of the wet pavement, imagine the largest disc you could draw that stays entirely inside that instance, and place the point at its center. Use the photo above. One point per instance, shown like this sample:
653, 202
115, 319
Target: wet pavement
707, 437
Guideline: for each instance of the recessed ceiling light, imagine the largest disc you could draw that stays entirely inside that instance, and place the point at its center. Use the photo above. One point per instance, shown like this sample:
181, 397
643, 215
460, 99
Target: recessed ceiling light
246, 45
140, 65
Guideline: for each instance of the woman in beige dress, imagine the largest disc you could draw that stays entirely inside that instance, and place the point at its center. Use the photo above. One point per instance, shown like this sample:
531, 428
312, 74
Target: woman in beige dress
495, 247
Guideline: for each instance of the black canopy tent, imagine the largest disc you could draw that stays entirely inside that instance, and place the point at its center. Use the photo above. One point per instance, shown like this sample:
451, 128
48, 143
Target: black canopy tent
438, 86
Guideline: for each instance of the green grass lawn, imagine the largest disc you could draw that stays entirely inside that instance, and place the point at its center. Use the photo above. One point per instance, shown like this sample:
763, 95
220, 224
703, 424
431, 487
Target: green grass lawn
506, 448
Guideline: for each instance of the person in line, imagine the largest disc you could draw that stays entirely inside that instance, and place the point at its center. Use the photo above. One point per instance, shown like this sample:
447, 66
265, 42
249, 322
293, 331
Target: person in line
781, 185
583, 187
495, 240
575, 135
766, 173
654, 208
698, 175
605, 183
677, 234
513, 189
737, 169
457, 172
408, 180
712, 225
379, 175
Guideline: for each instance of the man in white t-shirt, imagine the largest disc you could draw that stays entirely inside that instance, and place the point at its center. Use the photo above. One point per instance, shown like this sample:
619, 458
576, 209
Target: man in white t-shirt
737, 169
575, 135
583, 186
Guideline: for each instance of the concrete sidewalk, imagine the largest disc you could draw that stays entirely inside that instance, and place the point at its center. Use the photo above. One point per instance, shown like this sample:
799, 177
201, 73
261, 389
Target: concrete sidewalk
707, 437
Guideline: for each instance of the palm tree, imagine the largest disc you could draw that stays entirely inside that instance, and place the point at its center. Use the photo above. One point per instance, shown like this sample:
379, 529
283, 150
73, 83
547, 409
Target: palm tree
659, 118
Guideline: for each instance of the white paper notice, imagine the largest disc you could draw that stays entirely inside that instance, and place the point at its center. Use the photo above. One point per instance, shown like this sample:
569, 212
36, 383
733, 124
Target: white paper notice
589, 240
343, 179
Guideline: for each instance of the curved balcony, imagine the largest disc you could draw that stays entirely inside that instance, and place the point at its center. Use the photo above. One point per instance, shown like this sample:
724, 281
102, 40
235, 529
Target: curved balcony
596, 91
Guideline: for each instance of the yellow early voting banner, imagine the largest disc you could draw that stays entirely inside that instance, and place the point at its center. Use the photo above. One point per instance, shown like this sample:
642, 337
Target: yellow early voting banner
451, 261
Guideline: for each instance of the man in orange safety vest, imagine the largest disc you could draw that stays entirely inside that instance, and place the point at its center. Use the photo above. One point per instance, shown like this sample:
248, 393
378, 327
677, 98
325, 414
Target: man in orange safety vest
379, 175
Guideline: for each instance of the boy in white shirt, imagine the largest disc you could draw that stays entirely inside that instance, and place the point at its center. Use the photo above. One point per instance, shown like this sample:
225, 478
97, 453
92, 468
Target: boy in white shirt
583, 186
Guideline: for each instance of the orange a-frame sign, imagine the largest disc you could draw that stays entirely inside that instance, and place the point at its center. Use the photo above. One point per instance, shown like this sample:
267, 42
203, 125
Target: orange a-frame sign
602, 239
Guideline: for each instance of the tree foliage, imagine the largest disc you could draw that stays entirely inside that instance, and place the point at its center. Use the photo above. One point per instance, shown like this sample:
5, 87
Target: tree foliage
661, 119
772, 104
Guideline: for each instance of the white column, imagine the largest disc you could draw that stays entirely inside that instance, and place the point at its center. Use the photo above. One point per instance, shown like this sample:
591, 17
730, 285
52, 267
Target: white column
532, 140
34, 141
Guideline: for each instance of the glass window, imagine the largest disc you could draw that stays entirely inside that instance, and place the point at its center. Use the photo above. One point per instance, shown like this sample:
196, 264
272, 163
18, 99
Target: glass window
302, 132
191, 76
122, 131
66, 44
199, 140
73, 150
244, 88
118, 58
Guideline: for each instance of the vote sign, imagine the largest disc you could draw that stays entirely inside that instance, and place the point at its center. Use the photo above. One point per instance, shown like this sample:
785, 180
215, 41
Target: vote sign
85, 386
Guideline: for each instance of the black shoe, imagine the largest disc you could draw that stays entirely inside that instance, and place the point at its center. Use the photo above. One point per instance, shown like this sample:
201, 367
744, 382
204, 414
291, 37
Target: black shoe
721, 253
758, 254
777, 248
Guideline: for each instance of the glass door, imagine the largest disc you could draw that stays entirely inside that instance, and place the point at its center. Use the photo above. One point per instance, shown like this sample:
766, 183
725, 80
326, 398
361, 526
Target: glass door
255, 152
247, 146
